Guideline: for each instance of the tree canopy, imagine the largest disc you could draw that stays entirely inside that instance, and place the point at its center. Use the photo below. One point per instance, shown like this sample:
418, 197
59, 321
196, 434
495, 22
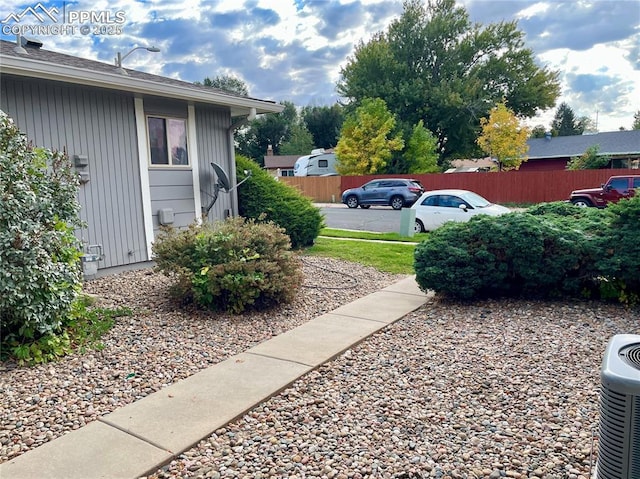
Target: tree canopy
324, 124
421, 154
366, 145
504, 138
565, 122
300, 141
433, 64
589, 160
227, 83
270, 129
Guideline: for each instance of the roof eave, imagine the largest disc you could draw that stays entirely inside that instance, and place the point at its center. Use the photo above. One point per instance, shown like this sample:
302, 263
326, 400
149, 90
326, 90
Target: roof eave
570, 155
116, 81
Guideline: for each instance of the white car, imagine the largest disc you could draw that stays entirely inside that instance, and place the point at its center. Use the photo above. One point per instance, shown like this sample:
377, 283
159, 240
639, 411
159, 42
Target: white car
436, 207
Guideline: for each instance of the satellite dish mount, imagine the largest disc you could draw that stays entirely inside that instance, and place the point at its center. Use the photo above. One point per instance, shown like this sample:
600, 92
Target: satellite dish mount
223, 184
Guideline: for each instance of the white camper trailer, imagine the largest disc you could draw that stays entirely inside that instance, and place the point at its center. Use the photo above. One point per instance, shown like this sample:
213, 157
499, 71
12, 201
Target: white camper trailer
316, 164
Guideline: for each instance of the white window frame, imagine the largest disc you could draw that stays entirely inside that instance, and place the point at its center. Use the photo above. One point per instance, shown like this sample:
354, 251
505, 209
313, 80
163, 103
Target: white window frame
168, 142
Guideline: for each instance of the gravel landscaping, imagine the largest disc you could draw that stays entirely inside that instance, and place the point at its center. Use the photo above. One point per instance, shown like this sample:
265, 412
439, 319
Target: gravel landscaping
485, 389
482, 390
162, 342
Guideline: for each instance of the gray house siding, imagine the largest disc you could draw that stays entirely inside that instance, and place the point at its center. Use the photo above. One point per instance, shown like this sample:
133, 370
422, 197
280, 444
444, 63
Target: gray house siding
100, 125
172, 189
212, 126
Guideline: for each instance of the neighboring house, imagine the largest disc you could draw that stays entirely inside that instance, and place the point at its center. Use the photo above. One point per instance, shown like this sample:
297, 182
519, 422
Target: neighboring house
279, 165
471, 166
554, 152
142, 144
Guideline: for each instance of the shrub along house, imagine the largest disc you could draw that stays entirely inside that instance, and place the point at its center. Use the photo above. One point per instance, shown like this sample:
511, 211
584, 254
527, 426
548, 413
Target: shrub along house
142, 144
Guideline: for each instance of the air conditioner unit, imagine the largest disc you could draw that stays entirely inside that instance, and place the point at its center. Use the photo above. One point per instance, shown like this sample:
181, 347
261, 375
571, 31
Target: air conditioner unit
619, 443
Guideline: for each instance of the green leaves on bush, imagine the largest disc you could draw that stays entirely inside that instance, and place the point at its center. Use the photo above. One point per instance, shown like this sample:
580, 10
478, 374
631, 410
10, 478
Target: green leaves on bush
82, 329
262, 198
550, 250
232, 265
39, 254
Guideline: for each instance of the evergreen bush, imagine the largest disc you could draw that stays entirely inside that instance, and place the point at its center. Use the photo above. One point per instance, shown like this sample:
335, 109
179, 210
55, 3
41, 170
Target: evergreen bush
518, 254
40, 271
232, 265
619, 261
262, 198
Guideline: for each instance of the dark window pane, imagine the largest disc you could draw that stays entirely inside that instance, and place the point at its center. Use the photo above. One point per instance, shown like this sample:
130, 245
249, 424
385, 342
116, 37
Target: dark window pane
431, 201
619, 184
158, 141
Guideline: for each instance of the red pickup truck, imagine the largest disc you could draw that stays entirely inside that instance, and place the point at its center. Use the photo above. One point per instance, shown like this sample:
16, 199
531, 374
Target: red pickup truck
615, 189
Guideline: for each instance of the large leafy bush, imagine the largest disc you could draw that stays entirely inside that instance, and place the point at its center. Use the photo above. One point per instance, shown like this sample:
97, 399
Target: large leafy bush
263, 198
40, 274
232, 265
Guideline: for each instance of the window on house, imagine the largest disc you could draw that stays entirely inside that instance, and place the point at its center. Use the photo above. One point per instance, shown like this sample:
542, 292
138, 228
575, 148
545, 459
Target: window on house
168, 141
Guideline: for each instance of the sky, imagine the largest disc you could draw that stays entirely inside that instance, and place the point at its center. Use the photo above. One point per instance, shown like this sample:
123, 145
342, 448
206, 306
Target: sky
293, 50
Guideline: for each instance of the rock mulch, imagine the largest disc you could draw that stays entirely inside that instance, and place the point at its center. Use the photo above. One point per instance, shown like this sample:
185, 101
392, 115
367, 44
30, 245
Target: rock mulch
162, 342
487, 389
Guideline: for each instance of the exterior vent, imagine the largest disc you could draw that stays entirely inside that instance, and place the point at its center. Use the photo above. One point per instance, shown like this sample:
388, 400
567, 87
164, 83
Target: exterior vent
619, 444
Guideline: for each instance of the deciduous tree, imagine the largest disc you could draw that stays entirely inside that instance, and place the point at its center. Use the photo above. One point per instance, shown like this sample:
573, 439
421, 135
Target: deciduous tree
324, 123
504, 138
421, 155
433, 64
227, 83
538, 131
270, 129
366, 142
589, 160
300, 141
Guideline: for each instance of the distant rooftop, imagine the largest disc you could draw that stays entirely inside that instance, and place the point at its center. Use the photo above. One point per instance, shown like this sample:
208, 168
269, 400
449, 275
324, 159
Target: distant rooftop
610, 143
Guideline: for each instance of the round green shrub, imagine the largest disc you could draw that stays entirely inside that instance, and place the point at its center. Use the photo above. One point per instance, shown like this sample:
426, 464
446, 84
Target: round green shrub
232, 265
262, 198
40, 273
518, 254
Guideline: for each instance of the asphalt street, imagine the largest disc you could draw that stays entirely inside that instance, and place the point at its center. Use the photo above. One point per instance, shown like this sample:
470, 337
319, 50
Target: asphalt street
380, 219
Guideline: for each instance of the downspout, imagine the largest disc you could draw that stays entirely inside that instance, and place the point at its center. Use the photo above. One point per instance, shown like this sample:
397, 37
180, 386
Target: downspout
232, 154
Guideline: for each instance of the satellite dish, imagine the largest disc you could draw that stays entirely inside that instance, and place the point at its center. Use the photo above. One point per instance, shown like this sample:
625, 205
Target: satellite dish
223, 184
223, 180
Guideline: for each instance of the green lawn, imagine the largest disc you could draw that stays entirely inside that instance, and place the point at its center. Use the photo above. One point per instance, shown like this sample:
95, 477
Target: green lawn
366, 235
385, 251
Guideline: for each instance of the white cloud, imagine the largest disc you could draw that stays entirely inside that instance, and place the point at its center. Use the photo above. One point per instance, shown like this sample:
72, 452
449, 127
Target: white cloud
294, 49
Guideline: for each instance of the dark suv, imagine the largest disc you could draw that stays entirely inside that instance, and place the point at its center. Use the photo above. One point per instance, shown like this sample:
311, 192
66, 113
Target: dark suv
394, 192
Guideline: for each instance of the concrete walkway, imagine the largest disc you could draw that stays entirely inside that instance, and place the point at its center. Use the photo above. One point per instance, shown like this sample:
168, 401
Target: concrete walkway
139, 438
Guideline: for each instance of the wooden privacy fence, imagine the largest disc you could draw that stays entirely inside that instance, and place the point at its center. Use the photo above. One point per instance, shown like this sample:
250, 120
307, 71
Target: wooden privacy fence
498, 187
321, 189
